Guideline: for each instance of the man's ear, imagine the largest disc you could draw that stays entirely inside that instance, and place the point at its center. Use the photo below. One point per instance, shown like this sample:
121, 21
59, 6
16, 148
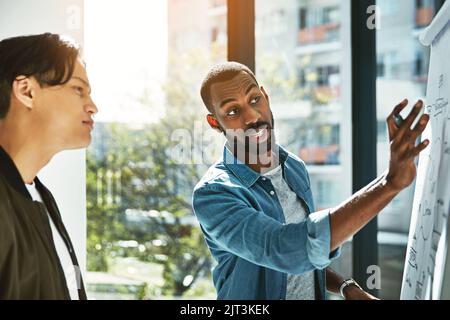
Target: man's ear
265, 93
212, 121
23, 90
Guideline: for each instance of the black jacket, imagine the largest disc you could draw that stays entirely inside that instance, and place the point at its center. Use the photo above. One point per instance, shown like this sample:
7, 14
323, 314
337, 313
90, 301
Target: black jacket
29, 264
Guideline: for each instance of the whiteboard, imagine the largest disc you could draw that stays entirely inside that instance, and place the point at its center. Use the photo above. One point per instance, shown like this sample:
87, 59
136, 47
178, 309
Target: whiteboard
426, 254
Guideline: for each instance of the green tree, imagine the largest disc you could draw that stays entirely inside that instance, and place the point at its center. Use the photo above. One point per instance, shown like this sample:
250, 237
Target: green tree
131, 169
149, 179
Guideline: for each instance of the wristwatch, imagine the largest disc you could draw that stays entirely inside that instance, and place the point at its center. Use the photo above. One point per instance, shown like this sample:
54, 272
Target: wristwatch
347, 283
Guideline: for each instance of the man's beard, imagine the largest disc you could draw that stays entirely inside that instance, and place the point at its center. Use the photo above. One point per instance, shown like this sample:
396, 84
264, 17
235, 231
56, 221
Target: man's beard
254, 144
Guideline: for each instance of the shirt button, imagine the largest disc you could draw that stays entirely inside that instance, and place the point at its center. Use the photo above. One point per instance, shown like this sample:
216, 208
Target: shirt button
264, 179
272, 192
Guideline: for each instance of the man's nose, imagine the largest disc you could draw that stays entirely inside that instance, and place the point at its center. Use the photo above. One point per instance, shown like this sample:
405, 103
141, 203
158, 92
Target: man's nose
91, 107
251, 116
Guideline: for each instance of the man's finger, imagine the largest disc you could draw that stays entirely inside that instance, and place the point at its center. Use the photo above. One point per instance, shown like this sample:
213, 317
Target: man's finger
419, 128
392, 128
398, 108
415, 152
411, 117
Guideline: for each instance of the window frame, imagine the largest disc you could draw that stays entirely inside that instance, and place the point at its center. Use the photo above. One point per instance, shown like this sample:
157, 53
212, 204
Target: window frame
241, 48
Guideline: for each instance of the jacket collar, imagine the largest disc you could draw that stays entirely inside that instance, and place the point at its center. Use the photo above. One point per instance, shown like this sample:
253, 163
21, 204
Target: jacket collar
9, 170
243, 172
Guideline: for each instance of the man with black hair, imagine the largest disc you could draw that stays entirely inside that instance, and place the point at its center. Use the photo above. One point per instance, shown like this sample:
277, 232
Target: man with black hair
45, 108
255, 205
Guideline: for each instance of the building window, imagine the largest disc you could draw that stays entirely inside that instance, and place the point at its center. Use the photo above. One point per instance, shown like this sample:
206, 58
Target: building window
318, 24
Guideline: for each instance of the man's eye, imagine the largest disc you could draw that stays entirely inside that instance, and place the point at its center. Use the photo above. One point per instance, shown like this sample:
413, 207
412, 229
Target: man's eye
232, 112
79, 90
255, 100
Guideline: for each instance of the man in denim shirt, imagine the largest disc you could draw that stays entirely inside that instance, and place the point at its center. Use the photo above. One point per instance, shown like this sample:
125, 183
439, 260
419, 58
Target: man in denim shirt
275, 246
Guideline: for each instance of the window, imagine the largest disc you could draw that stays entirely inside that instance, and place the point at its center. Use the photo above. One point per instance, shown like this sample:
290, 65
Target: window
307, 79
319, 23
143, 240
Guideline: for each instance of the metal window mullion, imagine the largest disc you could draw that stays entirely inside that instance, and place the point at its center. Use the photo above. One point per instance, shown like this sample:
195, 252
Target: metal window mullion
241, 32
364, 131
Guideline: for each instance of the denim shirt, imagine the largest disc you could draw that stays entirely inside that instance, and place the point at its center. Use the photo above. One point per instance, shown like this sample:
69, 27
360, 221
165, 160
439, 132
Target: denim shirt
244, 227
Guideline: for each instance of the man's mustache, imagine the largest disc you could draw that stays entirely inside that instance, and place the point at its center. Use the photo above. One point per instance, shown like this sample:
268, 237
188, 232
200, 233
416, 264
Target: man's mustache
258, 125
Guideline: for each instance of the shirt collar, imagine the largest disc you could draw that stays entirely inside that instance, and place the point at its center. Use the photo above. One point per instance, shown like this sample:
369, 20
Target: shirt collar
9, 170
243, 172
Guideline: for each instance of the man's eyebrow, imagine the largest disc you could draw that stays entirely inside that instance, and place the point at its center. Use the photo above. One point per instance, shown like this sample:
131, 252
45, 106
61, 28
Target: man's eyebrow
84, 81
250, 87
224, 102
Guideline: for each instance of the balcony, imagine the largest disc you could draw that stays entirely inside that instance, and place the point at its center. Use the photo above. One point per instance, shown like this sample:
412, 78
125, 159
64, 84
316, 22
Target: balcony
319, 34
320, 155
424, 16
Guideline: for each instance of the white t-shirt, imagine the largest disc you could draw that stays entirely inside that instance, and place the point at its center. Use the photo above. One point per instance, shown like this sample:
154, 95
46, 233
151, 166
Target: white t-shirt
63, 253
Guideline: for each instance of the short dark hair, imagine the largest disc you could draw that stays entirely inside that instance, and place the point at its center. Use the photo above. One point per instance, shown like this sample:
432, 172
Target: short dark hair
48, 57
219, 73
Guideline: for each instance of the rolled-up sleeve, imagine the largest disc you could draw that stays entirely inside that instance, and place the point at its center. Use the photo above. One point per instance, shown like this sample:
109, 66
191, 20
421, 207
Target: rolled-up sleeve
230, 222
319, 237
